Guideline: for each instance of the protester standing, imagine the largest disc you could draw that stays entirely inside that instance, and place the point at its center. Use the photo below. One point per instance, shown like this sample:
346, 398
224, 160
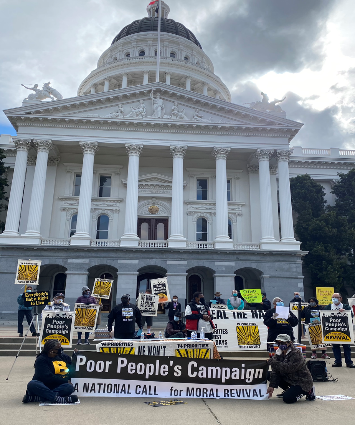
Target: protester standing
175, 328
57, 304
173, 307
198, 317
147, 319
217, 299
263, 306
125, 315
279, 326
87, 299
235, 302
296, 298
337, 305
24, 311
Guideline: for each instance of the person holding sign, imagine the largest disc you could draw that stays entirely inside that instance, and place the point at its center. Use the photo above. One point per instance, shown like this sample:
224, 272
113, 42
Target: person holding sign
24, 311
147, 319
264, 305
87, 299
125, 315
338, 305
57, 304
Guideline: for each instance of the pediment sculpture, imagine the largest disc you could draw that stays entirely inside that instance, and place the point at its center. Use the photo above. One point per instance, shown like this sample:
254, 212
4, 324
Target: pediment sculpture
47, 92
266, 106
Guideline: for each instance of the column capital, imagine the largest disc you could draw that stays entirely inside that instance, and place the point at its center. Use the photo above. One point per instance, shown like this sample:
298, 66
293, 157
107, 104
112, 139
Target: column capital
220, 153
273, 169
264, 154
178, 151
22, 144
284, 155
43, 145
89, 147
134, 150
253, 169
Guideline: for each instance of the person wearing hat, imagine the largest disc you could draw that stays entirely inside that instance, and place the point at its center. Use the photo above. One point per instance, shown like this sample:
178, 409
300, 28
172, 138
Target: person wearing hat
217, 299
57, 304
125, 315
290, 372
175, 328
86, 298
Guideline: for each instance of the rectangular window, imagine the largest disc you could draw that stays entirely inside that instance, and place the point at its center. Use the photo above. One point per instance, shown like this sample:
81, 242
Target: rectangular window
77, 183
105, 187
202, 190
228, 190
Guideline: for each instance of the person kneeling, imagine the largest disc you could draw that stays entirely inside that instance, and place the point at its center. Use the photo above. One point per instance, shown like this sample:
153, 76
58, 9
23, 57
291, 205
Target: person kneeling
175, 328
50, 382
289, 372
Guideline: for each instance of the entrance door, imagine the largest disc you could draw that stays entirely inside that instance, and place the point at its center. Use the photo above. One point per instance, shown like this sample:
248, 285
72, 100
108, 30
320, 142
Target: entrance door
153, 229
194, 285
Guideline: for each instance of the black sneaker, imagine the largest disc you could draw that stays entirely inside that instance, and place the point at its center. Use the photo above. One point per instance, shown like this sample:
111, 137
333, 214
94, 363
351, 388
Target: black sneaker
35, 334
351, 365
26, 398
311, 396
20, 335
87, 342
337, 365
281, 395
79, 342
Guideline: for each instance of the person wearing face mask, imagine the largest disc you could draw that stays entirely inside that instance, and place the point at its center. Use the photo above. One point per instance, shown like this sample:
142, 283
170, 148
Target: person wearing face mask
296, 298
175, 328
235, 302
337, 305
263, 306
290, 372
125, 315
217, 299
277, 325
173, 307
87, 299
57, 304
24, 311
198, 316
311, 315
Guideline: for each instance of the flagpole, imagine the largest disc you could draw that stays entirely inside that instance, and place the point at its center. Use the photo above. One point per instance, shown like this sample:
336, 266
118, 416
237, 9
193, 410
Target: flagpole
158, 48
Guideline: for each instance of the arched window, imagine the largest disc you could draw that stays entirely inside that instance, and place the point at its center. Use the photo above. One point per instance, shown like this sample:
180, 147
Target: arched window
102, 227
73, 221
172, 54
142, 53
127, 55
201, 229
59, 283
230, 232
186, 58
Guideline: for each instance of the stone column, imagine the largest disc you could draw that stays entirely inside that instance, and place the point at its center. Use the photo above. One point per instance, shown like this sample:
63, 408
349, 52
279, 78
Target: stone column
176, 239
106, 85
287, 233
188, 83
222, 239
93, 90
39, 184
17, 185
124, 81
82, 234
205, 89
130, 237
267, 226
145, 77
167, 78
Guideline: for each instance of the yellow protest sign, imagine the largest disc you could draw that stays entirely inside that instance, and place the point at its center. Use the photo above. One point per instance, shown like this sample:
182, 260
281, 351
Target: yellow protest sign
324, 295
251, 295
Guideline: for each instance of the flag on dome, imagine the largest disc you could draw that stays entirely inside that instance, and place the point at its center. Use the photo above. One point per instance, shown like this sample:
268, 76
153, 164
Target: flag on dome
153, 2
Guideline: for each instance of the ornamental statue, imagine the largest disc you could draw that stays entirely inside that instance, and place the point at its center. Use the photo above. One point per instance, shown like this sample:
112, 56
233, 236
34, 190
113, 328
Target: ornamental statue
266, 106
47, 92
116, 114
139, 111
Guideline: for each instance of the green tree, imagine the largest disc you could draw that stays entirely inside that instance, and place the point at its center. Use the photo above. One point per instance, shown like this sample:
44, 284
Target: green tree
3, 185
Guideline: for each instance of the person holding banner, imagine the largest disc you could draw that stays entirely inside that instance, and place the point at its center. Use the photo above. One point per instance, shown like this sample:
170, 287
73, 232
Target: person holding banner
235, 302
198, 317
338, 305
290, 372
57, 304
24, 311
87, 299
125, 315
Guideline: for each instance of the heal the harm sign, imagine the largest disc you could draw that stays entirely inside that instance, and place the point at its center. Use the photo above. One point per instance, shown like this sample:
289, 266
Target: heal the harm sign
109, 375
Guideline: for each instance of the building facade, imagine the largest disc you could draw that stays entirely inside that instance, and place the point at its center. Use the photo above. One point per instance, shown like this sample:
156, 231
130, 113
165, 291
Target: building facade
139, 177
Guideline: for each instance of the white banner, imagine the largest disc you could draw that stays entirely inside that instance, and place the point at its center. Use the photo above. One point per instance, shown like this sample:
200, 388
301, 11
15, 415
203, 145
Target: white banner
148, 304
239, 330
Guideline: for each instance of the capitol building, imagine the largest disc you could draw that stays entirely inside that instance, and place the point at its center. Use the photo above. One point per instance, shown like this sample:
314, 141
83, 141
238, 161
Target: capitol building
139, 177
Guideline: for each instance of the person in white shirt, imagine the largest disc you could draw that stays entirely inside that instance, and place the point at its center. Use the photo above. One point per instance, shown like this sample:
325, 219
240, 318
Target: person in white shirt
57, 304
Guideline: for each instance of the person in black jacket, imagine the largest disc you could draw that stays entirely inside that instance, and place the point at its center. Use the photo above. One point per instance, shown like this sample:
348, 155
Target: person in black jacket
263, 306
296, 298
175, 328
173, 307
51, 381
279, 326
125, 315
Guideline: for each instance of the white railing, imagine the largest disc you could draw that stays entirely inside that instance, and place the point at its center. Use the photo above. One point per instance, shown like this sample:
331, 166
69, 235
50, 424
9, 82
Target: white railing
312, 151
200, 245
153, 244
345, 152
106, 243
55, 242
247, 246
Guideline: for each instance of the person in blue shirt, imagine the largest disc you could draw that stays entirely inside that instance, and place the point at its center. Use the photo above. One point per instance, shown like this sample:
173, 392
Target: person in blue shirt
24, 311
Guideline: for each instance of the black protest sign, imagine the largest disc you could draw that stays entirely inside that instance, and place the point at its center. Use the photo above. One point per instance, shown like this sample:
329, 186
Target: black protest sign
148, 304
36, 298
337, 327
57, 325
160, 288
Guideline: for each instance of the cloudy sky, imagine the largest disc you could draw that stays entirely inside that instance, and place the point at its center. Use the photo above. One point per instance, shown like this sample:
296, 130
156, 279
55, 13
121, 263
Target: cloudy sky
301, 49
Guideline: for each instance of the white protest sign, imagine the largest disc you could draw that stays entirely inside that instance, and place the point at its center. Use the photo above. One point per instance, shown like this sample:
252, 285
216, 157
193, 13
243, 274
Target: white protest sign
27, 272
283, 312
160, 288
148, 304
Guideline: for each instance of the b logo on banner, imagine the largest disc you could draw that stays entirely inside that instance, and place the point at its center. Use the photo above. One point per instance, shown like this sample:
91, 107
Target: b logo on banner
60, 368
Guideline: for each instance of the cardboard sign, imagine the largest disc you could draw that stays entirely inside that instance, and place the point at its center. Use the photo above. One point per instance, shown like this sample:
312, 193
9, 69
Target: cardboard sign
36, 298
57, 325
142, 376
148, 304
160, 288
315, 337
28, 272
324, 295
86, 317
337, 327
251, 295
102, 288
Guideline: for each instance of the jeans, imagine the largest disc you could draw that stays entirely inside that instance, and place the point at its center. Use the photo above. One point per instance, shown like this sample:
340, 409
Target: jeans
39, 389
21, 315
347, 353
292, 392
87, 334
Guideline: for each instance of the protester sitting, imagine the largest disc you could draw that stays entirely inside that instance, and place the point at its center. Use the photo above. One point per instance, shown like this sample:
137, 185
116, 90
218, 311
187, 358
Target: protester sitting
24, 311
173, 307
175, 328
235, 302
290, 372
198, 317
87, 299
51, 381
148, 319
337, 305
311, 315
125, 315
263, 306
217, 299
296, 298
57, 304
276, 325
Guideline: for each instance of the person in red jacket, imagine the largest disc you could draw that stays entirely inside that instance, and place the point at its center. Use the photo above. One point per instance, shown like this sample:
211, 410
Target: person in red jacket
198, 316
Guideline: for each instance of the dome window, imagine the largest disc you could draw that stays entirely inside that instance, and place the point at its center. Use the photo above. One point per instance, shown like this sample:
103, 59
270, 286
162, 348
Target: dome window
141, 53
127, 55
186, 58
173, 55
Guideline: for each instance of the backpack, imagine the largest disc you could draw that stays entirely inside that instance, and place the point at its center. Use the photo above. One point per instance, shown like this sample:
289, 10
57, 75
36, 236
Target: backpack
318, 370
